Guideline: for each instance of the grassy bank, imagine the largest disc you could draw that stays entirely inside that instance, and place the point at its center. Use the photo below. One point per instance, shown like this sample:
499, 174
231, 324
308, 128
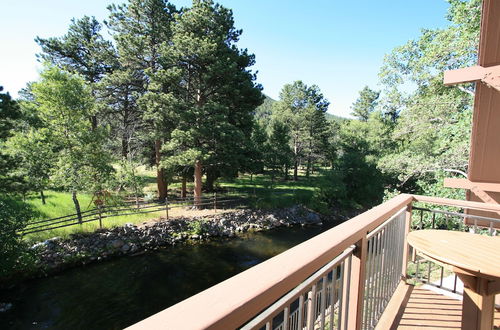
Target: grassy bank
260, 191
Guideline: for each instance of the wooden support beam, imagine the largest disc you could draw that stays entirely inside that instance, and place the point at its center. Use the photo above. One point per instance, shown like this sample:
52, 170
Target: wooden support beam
467, 184
488, 75
464, 75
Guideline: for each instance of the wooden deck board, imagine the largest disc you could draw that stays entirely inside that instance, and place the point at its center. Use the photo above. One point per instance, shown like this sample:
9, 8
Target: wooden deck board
429, 310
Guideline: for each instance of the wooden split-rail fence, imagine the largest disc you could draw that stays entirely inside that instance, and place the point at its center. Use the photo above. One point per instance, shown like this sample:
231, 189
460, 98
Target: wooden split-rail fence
103, 212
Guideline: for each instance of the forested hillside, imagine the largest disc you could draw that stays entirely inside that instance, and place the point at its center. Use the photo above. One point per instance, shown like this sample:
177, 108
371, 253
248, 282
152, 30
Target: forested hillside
173, 92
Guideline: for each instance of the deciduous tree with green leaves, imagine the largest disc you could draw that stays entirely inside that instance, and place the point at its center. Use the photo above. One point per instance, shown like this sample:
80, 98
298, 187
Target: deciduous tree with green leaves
65, 104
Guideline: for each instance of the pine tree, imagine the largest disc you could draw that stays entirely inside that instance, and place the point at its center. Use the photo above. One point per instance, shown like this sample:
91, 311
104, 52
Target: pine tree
303, 109
82, 50
210, 92
141, 29
365, 104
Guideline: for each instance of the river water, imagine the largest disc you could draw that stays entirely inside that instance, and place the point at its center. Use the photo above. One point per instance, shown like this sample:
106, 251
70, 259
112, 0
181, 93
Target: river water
119, 292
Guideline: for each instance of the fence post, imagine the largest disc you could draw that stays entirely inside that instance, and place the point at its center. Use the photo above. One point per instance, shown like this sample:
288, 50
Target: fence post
166, 206
100, 215
406, 246
215, 202
357, 284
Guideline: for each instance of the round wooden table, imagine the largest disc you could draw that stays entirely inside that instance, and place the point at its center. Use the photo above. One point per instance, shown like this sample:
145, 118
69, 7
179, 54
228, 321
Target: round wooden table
476, 261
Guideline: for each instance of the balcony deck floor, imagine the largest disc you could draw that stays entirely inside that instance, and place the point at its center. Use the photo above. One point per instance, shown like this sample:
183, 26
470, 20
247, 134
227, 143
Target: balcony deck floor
429, 310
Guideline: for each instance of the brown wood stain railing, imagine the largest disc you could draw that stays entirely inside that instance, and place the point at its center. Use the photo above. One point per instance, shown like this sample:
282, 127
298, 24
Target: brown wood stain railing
234, 302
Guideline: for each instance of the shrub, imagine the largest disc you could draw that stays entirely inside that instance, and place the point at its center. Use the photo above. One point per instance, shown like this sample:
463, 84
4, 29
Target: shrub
14, 254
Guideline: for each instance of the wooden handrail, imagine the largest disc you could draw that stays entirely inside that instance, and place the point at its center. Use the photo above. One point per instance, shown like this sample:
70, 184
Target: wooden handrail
235, 301
231, 303
457, 203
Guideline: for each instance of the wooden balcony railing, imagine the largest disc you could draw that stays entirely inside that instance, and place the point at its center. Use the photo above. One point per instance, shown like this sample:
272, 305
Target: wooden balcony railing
341, 279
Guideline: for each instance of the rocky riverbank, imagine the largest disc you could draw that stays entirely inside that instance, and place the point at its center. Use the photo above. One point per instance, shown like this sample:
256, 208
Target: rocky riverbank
56, 254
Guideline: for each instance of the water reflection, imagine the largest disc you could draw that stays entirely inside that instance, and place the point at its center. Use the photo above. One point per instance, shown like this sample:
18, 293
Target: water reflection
120, 292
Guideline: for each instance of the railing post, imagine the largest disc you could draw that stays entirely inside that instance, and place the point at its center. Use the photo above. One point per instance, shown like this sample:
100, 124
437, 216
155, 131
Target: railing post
357, 285
406, 247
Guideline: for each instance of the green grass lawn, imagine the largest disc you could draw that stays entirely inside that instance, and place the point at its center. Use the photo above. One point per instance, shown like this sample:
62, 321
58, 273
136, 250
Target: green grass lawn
259, 191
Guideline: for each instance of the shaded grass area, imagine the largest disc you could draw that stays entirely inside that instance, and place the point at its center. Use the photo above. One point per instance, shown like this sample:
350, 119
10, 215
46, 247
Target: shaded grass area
57, 204
266, 193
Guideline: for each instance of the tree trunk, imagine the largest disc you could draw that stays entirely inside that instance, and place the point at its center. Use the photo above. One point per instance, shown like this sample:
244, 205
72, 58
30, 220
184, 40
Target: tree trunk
183, 189
124, 145
125, 133
286, 173
160, 175
308, 170
211, 177
295, 169
93, 121
295, 162
197, 182
42, 196
77, 206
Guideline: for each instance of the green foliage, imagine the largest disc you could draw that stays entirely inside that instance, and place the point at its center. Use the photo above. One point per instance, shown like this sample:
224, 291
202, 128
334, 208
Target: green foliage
196, 227
432, 132
34, 155
82, 50
302, 108
277, 152
65, 106
9, 113
211, 93
365, 104
127, 178
14, 255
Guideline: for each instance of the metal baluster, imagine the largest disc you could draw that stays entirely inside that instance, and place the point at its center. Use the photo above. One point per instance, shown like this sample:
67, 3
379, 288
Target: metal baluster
375, 279
301, 311
441, 280
433, 220
348, 291
379, 277
323, 302
387, 262
341, 295
333, 296
455, 284
311, 308
285, 318
381, 272
368, 285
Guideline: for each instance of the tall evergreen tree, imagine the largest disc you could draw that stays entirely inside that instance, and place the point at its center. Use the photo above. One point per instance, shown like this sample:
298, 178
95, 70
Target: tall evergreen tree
206, 83
140, 28
9, 113
303, 109
82, 50
365, 104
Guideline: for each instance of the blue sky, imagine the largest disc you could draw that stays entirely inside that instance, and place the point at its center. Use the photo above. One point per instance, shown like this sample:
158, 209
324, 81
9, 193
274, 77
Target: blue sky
337, 45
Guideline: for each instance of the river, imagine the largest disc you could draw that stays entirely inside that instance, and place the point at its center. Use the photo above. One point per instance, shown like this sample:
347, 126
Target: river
119, 292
